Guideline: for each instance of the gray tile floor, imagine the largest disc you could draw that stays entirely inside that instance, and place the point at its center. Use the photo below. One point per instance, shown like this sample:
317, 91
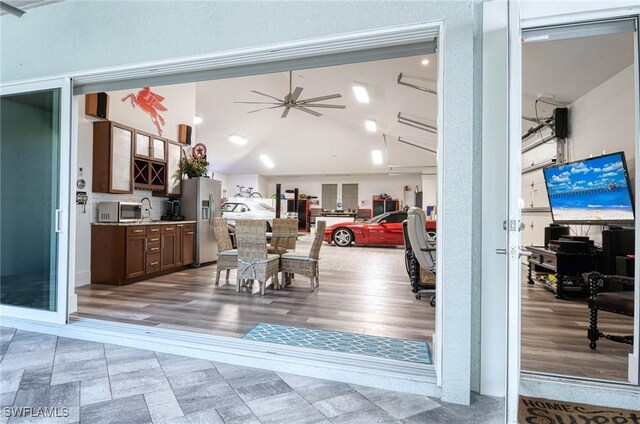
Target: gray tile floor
101, 383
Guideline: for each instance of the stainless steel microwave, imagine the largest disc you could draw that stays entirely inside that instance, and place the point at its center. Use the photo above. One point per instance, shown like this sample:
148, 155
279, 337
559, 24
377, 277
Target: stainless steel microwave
119, 212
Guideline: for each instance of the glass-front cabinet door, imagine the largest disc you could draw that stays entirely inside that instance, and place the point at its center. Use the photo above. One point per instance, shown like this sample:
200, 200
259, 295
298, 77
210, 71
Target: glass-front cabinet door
34, 194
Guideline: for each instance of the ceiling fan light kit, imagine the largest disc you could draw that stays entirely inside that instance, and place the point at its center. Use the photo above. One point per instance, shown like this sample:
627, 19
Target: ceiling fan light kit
291, 101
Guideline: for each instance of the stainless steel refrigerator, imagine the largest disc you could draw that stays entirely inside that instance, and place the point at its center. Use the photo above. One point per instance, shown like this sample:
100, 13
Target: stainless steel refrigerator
201, 202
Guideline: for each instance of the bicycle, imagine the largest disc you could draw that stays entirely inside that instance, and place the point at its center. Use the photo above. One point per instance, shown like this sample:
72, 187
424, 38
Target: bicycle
247, 193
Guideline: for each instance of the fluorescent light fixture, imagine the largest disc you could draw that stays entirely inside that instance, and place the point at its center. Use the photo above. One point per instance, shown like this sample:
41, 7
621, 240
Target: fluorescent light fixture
370, 125
376, 156
197, 120
267, 161
361, 94
236, 139
424, 62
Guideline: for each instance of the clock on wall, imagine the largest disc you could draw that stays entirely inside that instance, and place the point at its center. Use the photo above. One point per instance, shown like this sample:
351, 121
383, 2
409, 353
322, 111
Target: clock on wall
199, 151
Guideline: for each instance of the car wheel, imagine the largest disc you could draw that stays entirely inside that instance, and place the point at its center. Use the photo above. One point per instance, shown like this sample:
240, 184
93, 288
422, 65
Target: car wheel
342, 237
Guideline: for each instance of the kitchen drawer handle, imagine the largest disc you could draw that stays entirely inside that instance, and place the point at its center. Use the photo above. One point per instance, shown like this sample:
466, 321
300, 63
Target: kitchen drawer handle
155, 239
137, 231
153, 230
154, 263
154, 248
189, 232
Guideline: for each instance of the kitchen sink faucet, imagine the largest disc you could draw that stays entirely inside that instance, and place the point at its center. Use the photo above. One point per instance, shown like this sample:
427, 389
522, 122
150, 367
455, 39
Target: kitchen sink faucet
148, 210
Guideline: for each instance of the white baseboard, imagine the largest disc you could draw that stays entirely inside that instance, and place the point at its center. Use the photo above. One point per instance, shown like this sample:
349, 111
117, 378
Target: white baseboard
83, 278
633, 369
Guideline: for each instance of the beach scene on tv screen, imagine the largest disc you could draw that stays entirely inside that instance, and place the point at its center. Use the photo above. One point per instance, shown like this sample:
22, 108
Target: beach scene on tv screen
591, 190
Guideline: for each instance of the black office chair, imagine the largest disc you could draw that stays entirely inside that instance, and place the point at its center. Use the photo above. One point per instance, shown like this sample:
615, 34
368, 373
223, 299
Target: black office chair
419, 253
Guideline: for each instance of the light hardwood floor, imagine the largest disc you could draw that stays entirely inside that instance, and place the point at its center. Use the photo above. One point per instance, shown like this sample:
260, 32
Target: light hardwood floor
362, 290
554, 337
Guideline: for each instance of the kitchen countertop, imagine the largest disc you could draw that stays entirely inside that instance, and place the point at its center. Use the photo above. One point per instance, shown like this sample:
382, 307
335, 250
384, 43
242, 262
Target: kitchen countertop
129, 224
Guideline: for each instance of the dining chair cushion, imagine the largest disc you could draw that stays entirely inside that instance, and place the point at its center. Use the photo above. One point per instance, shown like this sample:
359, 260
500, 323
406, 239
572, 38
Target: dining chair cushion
295, 255
233, 252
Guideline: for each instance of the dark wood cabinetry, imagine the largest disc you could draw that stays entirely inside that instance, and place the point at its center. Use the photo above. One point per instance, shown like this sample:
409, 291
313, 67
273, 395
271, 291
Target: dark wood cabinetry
381, 206
188, 244
125, 254
112, 158
304, 215
125, 158
136, 256
169, 247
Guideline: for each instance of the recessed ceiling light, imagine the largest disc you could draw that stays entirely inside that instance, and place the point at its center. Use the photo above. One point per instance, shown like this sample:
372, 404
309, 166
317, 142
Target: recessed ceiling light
376, 157
370, 125
424, 62
236, 139
267, 161
361, 94
197, 120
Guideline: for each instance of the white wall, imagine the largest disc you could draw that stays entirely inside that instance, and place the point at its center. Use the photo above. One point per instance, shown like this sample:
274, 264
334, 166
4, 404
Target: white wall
368, 186
180, 104
601, 121
429, 190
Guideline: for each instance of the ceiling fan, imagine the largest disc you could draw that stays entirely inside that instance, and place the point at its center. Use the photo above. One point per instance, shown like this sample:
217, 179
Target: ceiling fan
291, 101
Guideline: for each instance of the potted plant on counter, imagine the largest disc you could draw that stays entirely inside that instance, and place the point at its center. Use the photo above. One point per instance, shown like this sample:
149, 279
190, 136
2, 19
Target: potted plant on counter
194, 167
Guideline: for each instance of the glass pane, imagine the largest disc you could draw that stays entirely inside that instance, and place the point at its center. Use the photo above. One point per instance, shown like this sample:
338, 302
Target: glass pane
143, 143
158, 149
29, 160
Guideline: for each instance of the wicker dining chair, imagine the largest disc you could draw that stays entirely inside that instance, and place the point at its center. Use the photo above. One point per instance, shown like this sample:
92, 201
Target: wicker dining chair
307, 265
284, 235
227, 255
254, 263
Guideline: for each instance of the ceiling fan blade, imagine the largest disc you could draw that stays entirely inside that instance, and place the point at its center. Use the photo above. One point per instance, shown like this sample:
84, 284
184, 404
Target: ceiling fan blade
317, 99
285, 112
304, 109
264, 108
266, 95
260, 103
323, 105
296, 93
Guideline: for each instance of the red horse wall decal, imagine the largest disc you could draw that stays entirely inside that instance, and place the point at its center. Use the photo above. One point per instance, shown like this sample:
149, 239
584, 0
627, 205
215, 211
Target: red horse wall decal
151, 103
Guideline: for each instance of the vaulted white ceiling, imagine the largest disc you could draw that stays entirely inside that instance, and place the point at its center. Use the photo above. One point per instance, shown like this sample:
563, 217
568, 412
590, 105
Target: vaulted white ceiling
334, 143
570, 68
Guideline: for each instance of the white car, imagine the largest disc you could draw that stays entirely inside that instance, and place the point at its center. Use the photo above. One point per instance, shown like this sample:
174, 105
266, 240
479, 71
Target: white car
238, 209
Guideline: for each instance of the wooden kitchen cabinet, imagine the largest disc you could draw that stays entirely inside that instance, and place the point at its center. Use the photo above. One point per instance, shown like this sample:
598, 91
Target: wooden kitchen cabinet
136, 256
188, 244
173, 179
125, 254
168, 250
112, 157
150, 146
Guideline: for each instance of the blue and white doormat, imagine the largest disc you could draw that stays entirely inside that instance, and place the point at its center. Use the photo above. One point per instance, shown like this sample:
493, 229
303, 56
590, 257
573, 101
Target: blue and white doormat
337, 341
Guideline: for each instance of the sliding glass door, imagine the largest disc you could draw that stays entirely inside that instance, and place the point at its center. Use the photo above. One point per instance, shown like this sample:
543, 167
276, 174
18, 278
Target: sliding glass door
34, 199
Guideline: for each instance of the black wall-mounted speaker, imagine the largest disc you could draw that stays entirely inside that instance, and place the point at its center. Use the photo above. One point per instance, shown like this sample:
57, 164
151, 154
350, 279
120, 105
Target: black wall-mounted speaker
561, 122
184, 134
97, 104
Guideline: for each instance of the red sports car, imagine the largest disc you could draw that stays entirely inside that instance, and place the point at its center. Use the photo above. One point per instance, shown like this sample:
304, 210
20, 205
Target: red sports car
382, 229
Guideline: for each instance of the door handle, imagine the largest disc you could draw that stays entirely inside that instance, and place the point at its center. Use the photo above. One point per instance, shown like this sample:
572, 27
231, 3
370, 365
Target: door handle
58, 229
524, 252
501, 251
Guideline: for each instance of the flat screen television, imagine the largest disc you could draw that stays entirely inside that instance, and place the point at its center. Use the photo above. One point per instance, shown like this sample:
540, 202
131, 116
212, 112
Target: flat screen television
590, 191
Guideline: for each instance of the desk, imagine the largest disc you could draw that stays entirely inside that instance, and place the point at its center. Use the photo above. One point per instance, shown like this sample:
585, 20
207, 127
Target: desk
562, 265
